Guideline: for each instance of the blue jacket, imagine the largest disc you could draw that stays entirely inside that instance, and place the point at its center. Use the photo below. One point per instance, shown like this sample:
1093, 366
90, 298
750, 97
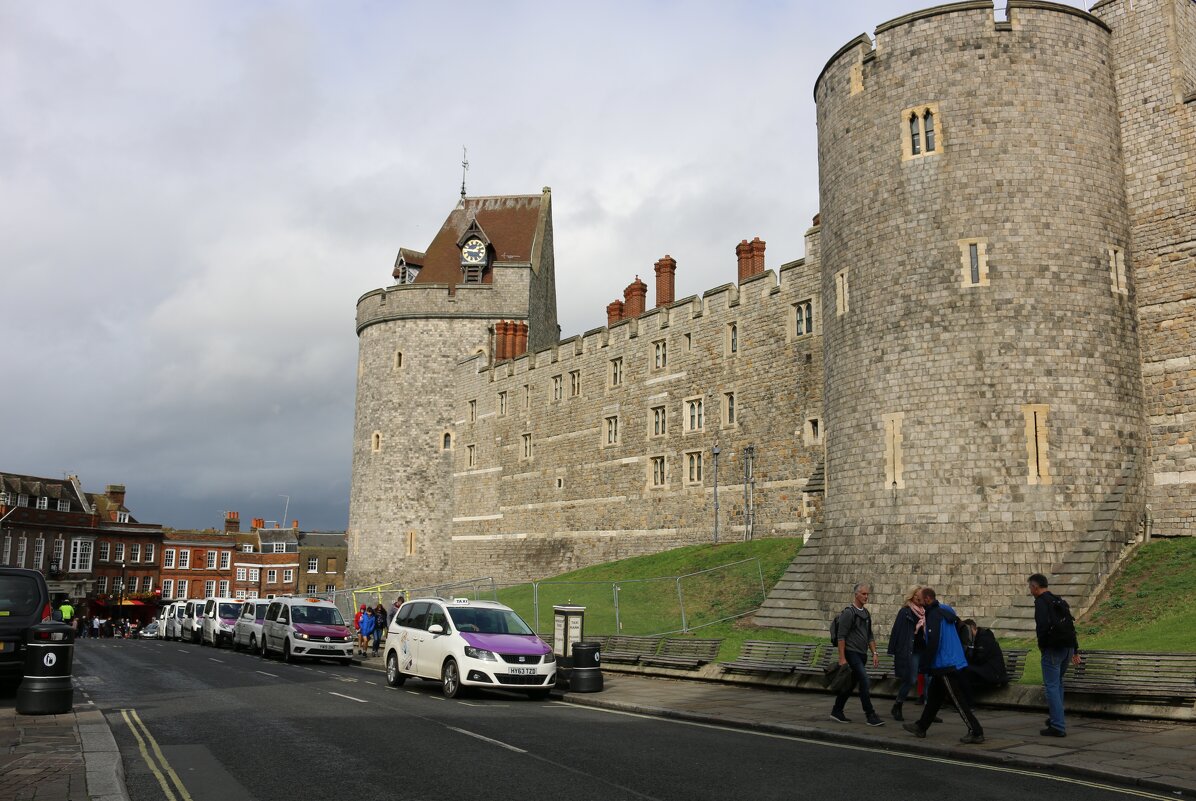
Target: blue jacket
942, 641
367, 623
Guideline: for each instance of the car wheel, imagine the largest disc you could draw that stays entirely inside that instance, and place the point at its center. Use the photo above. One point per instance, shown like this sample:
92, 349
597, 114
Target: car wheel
450, 679
236, 643
287, 656
393, 677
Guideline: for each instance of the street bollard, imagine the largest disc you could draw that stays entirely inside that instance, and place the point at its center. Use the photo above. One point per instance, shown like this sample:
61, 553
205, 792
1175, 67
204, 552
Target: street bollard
46, 688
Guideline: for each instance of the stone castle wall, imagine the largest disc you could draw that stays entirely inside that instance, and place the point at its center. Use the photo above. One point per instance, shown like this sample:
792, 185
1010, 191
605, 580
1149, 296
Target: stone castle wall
976, 423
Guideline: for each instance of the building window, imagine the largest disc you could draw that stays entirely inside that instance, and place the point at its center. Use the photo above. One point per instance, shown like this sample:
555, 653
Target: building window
246, 548
7, 548
694, 415
471, 455
211, 563
841, 293
102, 552
311, 589
255, 575
693, 461
1117, 271
502, 404
134, 553
43, 502
147, 583
59, 546
21, 553
102, 585
813, 431
921, 132
209, 588
658, 471
240, 574
376, 441
894, 463
616, 372
729, 409
271, 576
558, 387
527, 446
80, 556
133, 584
122, 517
184, 559
22, 499
118, 552
1038, 465
39, 550
973, 262
241, 595
64, 506
527, 396
660, 423
574, 383
689, 342
167, 589
329, 588
313, 564
149, 552
168, 558
473, 411
410, 544
732, 339
398, 361
225, 558
183, 587
446, 443
288, 576
612, 430
660, 350
803, 314
280, 547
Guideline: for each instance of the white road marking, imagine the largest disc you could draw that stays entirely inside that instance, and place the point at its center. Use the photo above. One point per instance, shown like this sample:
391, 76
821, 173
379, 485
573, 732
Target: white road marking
499, 743
182, 650
351, 698
271, 675
373, 683
213, 659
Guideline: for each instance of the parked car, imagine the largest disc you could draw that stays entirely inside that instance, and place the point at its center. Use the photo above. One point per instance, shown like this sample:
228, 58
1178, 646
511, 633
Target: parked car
306, 627
466, 643
219, 615
24, 601
247, 631
191, 626
150, 632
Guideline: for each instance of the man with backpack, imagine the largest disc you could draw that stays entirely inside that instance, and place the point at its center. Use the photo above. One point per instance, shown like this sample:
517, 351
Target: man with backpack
1056, 630
851, 632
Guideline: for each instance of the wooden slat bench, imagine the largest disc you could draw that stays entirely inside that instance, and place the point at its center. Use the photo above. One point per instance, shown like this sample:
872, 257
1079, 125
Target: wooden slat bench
628, 649
1134, 674
687, 653
1015, 663
830, 657
766, 656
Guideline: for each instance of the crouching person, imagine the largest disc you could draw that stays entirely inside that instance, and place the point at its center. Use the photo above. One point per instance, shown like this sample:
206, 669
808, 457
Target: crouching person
944, 660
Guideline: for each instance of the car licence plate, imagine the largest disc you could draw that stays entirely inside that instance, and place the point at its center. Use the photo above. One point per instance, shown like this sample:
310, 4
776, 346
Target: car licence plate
523, 671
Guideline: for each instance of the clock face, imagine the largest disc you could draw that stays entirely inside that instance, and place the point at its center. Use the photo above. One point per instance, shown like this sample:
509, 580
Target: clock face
474, 252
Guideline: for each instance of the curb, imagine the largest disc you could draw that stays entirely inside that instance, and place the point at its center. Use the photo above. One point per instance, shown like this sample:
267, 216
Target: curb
101, 757
958, 753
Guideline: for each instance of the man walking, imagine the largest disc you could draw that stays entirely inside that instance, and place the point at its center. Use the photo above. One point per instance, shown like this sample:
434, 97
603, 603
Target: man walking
1057, 642
855, 640
945, 658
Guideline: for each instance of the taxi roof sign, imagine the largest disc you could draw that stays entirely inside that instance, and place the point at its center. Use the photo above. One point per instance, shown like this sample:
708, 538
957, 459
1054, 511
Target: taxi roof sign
460, 600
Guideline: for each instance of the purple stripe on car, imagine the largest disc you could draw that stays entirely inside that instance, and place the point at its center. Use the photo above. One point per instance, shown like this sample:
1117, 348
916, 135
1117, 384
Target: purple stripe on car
507, 643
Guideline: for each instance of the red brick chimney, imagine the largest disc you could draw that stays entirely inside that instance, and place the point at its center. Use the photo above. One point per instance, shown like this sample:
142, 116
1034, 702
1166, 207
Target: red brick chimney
259, 523
666, 272
116, 494
506, 345
635, 298
232, 522
614, 312
520, 339
295, 524
757, 255
743, 259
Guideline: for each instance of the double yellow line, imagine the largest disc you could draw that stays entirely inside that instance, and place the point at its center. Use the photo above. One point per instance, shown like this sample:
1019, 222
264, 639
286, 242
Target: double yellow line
156, 761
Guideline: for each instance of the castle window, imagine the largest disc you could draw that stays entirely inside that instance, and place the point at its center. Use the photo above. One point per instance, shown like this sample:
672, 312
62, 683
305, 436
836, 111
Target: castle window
920, 136
693, 461
661, 350
558, 387
616, 372
612, 430
447, 441
813, 431
689, 342
694, 415
732, 339
1117, 271
973, 262
411, 543
527, 396
729, 409
894, 463
560, 483
803, 318
527, 446
659, 475
842, 294
574, 383
398, 360
502, 404
376, 441
659, 421
473, 411
1038, 465
471, 455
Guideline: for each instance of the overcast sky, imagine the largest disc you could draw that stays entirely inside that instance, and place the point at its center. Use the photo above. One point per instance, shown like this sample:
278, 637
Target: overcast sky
194, 195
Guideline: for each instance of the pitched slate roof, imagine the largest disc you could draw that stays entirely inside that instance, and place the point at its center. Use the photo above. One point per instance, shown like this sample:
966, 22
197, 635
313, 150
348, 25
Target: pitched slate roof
55, 489
510, 223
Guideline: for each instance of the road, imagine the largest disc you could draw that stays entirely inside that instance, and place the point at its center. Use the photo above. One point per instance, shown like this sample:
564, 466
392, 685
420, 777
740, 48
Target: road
197, 724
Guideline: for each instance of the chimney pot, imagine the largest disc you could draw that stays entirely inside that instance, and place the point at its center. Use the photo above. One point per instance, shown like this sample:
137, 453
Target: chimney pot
666, 272
635, 297
614, 312
757, 255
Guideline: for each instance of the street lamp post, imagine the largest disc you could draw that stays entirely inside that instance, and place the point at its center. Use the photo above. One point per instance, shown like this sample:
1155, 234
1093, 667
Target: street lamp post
120, 598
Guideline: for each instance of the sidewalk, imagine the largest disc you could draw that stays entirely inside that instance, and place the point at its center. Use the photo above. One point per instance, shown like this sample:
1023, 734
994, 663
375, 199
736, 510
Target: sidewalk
1152, 754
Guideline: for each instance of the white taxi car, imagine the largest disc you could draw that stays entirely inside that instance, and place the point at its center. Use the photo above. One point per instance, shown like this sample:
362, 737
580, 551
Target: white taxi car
300, 628
463, 643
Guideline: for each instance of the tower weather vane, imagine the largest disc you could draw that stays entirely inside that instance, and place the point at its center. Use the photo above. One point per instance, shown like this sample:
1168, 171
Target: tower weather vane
464, 169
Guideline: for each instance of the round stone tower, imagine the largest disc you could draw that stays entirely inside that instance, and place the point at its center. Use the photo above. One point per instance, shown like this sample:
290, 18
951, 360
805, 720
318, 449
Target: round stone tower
983, 396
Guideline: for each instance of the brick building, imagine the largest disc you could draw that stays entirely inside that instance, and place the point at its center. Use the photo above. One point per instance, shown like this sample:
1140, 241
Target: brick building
321, 563
196, 564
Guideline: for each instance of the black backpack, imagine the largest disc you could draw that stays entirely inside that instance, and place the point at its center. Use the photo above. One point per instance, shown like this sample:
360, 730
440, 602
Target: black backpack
835, 625
1061, 631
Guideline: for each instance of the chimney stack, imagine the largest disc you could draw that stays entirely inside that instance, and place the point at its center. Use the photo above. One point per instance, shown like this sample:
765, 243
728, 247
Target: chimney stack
666, 272
259, 523
295, 524
520, 339
232, 522
614, 312
757, 255
635, 298
116, 494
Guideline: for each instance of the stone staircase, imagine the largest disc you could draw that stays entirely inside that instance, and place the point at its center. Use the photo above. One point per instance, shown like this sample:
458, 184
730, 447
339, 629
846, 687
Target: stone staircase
791, 605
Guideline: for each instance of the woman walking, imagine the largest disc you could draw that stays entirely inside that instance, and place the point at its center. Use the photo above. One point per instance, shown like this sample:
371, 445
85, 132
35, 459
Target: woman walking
908, 629
379, 625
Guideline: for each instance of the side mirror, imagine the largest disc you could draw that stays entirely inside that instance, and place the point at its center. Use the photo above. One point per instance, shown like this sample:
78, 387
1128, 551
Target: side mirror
436, 628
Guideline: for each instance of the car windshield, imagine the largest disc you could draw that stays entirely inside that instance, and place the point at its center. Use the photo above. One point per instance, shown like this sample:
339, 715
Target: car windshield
317, 615
230, 610
488, 621
18, 595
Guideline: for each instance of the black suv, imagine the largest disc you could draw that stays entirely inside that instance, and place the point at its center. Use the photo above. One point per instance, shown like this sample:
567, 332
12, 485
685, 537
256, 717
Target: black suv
24, 601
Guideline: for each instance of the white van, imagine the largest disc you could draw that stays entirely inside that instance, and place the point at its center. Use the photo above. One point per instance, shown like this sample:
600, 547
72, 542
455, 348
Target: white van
219, 615
174, 621
306, 627
190, 628
247, 632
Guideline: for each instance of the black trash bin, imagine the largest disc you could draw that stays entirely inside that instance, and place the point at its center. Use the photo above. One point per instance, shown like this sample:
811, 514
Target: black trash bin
46, 688
586, 675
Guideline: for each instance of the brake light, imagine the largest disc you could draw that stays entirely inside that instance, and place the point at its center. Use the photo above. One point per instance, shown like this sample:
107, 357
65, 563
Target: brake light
47, 613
